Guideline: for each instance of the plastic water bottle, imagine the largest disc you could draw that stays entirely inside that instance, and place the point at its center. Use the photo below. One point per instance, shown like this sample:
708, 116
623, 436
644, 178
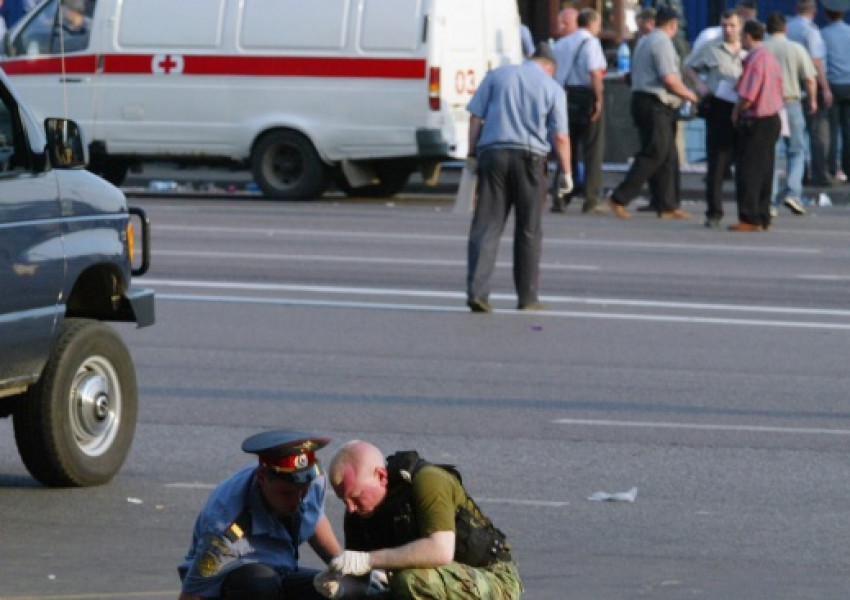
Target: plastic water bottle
624, 58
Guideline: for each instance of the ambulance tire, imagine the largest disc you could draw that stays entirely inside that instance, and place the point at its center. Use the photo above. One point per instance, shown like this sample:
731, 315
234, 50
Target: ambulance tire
393, 177
287, 167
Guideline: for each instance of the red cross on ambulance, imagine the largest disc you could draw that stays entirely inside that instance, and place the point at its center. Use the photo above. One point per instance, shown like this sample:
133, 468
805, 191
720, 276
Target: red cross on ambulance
167, 64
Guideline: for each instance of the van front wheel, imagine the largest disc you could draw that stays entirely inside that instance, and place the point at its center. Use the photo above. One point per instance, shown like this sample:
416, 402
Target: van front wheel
286, 166
75, 426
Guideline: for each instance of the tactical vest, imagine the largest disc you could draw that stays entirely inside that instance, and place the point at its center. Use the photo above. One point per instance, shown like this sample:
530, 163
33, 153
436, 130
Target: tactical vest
478, 542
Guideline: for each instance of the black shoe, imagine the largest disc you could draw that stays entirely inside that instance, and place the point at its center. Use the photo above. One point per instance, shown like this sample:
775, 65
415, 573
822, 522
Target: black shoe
712, 223
532, 306
479, 306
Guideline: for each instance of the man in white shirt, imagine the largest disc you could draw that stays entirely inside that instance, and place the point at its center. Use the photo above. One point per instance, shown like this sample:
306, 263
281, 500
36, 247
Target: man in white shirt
746, 10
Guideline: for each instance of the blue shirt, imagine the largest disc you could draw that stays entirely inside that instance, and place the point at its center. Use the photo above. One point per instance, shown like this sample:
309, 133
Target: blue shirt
803, 31
520, 106
836, 36
575, 69
219, 546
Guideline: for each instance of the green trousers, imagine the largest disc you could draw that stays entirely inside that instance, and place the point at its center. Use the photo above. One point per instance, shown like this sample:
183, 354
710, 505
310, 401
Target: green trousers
456, 581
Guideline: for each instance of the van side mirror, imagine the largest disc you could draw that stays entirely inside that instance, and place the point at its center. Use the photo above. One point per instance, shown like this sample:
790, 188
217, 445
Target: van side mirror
65, 145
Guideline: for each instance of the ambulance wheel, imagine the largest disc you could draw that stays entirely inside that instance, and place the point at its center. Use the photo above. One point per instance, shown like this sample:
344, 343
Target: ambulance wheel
287, 167
76, 425
392, 177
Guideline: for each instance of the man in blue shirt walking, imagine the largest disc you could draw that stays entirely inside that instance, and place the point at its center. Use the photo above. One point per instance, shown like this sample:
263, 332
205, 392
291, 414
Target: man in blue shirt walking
514, 113
836, 36
802, 29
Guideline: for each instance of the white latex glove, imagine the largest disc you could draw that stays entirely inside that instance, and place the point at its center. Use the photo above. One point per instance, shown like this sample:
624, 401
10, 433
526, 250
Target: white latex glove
327, 583
351, 562
471, 164
565, 184
378, 580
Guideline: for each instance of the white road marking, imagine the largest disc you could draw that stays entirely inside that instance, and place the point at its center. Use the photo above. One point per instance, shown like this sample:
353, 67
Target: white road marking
462, 239
191, 485
463, 309
459, 296
540, 503
187, 485
824, 277
702, 427
364, 260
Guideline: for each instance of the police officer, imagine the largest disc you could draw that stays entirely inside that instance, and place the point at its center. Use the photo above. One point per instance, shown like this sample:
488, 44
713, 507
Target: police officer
415, 520
513, 114
245, 542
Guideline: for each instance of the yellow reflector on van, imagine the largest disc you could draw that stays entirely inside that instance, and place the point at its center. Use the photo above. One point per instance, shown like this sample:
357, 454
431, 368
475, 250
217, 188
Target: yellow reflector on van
131, 242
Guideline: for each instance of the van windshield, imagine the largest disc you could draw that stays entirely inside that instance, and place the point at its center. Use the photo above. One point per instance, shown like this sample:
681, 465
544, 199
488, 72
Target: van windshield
57, 27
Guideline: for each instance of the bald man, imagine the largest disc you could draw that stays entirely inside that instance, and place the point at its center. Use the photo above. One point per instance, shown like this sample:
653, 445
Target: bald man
428, 555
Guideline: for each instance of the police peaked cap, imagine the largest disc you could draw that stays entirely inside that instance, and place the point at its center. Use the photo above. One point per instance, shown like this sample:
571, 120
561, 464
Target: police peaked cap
836, 5
287, 455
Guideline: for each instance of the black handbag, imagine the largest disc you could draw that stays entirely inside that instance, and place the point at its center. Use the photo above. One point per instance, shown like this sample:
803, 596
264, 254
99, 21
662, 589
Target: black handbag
580, 100
580, 105
704, 106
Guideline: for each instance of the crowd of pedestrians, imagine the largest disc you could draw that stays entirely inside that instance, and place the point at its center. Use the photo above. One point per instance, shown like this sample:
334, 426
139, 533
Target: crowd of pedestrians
814, 111
767, 91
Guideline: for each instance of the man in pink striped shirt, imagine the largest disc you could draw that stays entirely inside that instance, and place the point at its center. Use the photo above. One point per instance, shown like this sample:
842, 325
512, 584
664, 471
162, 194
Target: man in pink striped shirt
756, 116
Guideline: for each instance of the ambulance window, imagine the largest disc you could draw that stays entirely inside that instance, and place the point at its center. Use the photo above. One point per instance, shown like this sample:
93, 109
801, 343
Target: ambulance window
56, 27
179, 24
406, 29
73, 26
297, 24
34, 38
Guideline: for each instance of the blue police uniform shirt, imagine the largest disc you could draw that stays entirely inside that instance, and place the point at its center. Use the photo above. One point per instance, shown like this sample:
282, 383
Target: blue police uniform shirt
836, 36
218, 547
520, 106
802, 30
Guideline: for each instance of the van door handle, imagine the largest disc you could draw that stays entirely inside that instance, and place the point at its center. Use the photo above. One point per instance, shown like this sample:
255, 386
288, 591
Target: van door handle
74, 79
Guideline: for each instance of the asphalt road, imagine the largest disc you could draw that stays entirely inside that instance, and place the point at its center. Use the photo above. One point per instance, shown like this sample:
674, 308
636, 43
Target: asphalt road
707, 369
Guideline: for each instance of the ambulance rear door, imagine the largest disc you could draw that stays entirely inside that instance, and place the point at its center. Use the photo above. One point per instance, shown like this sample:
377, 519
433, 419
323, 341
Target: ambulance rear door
468, 38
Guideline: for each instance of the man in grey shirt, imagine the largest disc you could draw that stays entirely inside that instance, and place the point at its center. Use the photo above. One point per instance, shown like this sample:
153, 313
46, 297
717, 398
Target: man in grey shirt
657, 94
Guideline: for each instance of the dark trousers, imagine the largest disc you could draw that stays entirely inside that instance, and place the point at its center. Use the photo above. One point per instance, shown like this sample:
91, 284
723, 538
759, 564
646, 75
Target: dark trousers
506, 179
818, 125
720, 151
657, 162
257, 581
755, 158
588, 150
839, 128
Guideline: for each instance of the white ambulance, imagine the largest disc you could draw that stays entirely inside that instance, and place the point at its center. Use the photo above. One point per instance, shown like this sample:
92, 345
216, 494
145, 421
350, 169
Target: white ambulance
303, 92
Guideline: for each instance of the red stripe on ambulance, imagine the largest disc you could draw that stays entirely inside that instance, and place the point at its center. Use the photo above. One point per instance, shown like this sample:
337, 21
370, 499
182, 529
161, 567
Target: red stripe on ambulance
206, 65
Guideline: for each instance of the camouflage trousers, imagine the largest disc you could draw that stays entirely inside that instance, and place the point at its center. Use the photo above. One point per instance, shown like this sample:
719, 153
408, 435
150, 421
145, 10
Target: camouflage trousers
455, 581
